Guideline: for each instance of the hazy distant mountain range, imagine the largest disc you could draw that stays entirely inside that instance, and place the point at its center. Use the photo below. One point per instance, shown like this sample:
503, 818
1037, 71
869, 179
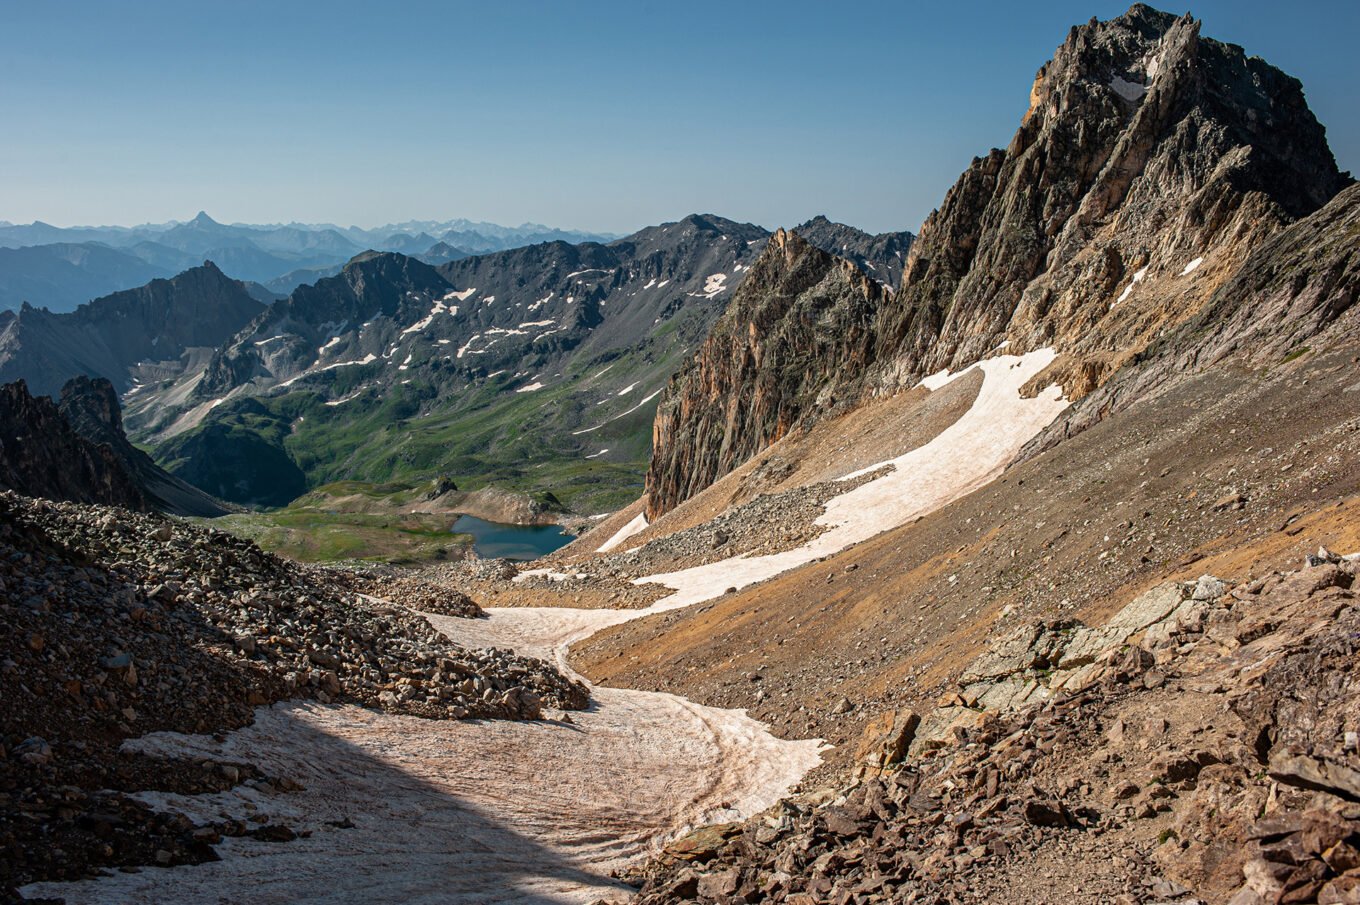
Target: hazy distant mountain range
61, 267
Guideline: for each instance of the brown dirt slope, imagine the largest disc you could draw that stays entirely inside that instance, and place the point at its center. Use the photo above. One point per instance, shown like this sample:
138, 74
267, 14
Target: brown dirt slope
1226, 468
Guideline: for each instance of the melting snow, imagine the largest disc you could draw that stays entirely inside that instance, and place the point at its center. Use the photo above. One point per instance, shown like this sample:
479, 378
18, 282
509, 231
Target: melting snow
935, 381
626, 390
367, 359
1129, 91
1137, 278
714, 284
530, 387
598, 454
638, 523
462, 296
617, 417
968, 454
1192, 267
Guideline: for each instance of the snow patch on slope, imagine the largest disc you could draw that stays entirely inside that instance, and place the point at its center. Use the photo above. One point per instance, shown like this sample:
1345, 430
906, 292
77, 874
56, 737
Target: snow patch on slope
967, 455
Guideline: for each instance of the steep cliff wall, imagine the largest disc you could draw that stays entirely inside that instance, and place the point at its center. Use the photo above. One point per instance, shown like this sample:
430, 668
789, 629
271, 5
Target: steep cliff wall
1149, 166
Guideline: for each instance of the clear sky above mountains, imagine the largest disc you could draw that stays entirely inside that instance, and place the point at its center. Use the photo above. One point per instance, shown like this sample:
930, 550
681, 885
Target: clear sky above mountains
603, 115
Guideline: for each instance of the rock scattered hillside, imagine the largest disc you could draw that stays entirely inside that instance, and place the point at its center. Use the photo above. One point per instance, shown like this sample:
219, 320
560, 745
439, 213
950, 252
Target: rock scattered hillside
121, 624
1152, 162
1066, 751
1294, 297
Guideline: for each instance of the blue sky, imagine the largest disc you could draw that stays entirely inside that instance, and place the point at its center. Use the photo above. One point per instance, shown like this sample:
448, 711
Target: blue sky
595, 115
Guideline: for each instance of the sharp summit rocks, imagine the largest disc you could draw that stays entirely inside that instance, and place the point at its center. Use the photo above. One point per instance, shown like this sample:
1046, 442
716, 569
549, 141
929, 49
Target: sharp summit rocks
1150, 165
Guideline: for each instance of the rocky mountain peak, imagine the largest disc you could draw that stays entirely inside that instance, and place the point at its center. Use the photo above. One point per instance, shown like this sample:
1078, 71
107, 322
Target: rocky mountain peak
1150, 164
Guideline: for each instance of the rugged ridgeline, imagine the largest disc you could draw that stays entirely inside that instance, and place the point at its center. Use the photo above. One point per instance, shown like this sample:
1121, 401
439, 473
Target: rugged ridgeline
535, 367
76, 451
1294, 296
137, 334
1150, 165
42, 455
90, 406
882, 257
795, 340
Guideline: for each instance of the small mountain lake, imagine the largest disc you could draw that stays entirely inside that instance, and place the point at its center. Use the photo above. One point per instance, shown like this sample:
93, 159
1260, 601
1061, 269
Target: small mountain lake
493, 540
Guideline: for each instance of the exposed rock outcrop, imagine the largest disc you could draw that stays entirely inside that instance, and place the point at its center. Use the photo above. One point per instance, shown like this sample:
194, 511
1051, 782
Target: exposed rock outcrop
90, 406
882, 257
42, 455
1293, 297
1150, 165
797, 338
1215, 720
76, 451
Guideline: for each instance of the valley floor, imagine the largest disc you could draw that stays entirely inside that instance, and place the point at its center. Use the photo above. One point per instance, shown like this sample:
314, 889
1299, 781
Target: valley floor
397, 808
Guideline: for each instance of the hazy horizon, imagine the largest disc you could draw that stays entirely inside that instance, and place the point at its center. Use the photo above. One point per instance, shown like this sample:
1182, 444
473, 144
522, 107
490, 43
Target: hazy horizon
603, 119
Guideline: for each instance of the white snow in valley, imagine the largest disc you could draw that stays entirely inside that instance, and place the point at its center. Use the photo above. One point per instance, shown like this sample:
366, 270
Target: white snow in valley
463, 812
965, 456
529, 388
626, 390
1192, 267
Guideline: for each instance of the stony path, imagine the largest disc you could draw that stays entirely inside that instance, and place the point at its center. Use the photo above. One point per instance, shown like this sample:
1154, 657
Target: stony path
474, 811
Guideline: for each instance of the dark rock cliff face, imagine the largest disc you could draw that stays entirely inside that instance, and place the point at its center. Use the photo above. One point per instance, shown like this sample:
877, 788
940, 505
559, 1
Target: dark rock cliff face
90, 406
42, 455
795, 339
109, 336
1150, 164
76, 451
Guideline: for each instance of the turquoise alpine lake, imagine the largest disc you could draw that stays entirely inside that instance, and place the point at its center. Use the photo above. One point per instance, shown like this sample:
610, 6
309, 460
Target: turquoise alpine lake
494, 540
